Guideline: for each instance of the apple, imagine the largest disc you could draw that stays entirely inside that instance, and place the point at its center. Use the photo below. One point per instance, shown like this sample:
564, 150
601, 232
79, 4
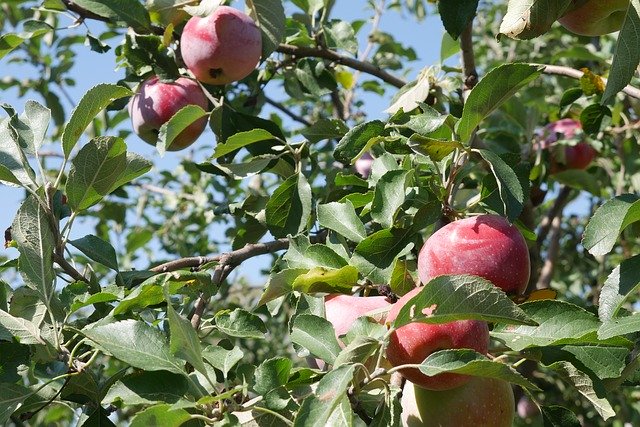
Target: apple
363, 165
484, 245
156, 102
595, 17
221, 48
482, 402
343, 310
578, 156
414, 342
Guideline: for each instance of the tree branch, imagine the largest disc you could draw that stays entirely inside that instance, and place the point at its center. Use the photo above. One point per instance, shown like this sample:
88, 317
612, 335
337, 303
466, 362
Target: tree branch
365, 67
469, 72
68, 268
287, 111
544, 280
560, 70
558, 206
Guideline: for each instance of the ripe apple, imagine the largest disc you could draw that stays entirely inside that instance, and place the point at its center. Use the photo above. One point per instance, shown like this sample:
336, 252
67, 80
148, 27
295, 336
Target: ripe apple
414, 342
578, 156
482, 402
484, 245
595, 17
221, 48
156, 102
363, 165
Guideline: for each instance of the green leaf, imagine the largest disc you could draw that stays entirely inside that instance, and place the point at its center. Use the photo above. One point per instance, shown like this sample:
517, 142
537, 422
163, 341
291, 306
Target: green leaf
136, 343
181, 120
558, 323
131, 13
496, 87
183, 338
302, 254
221, 358
343, 219
21, 329
604, 361
240, 323
11, 397
161, 414
98, 250
320, 279
449, 298
607, 223
316, 335
82, 388
401, 279
150, 292
584, 384
289, 208
375, 256
136, 166
358, 351
623, 281
580, 180
626, 57
525, 20
12, 355
325, 129
389, 195
317, 409
13, 160
456, 16
280, 283
591, 118
356, 140
8, 177
271, 374
470, 362
94, 171
618, 326
35, 118
94, 101
558, 416
148, 387
435, 149
32, 231
340, 35
10, 41
240, 140
509, 187
270, 17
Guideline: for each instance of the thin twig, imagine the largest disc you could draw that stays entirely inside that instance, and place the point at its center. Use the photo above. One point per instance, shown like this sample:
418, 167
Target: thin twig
365, 67
560, 70
558, 206
469, 72
546, 274
287, 111
68, 268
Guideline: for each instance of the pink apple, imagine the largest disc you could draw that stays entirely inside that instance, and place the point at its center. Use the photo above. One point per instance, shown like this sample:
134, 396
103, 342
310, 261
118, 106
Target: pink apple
343, 310
221, 48
484, 245
482, 402
414, 342
363, 165
578, 156
156, 102
595, 17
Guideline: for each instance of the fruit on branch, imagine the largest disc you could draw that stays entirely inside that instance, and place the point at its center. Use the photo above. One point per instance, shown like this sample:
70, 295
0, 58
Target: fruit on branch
363, 165
595, 17
481, 402
484, 245
221, 48
343, 310
156, 102
578, 156
526, 408
414, 342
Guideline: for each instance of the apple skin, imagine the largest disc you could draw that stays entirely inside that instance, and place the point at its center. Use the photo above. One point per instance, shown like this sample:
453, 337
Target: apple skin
595, 17
414, 342
221, 48
484, 245
482, 402
156, 102
578, 156
343, 310
363, 165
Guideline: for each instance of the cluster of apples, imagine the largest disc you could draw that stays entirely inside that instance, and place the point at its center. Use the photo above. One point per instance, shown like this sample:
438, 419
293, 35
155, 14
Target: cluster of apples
218, 49
486, 246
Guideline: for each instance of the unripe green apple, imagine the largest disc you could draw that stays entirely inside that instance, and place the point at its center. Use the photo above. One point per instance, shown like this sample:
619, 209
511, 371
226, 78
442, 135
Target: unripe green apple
414, 342
221, 48
595, 17
482, 402
484, 245
156, 102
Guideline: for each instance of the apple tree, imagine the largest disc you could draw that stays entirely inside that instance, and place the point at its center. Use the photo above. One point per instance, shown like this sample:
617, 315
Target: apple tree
498, 200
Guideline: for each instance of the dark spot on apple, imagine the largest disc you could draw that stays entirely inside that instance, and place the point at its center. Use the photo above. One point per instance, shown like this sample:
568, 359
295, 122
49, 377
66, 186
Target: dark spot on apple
215, 72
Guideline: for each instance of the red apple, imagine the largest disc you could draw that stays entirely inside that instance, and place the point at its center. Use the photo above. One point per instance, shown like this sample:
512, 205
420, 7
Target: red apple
595, 17
343, 310
156, 102
363, 165
414, 342
221, 48
482, 402
485, 245
578, 156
